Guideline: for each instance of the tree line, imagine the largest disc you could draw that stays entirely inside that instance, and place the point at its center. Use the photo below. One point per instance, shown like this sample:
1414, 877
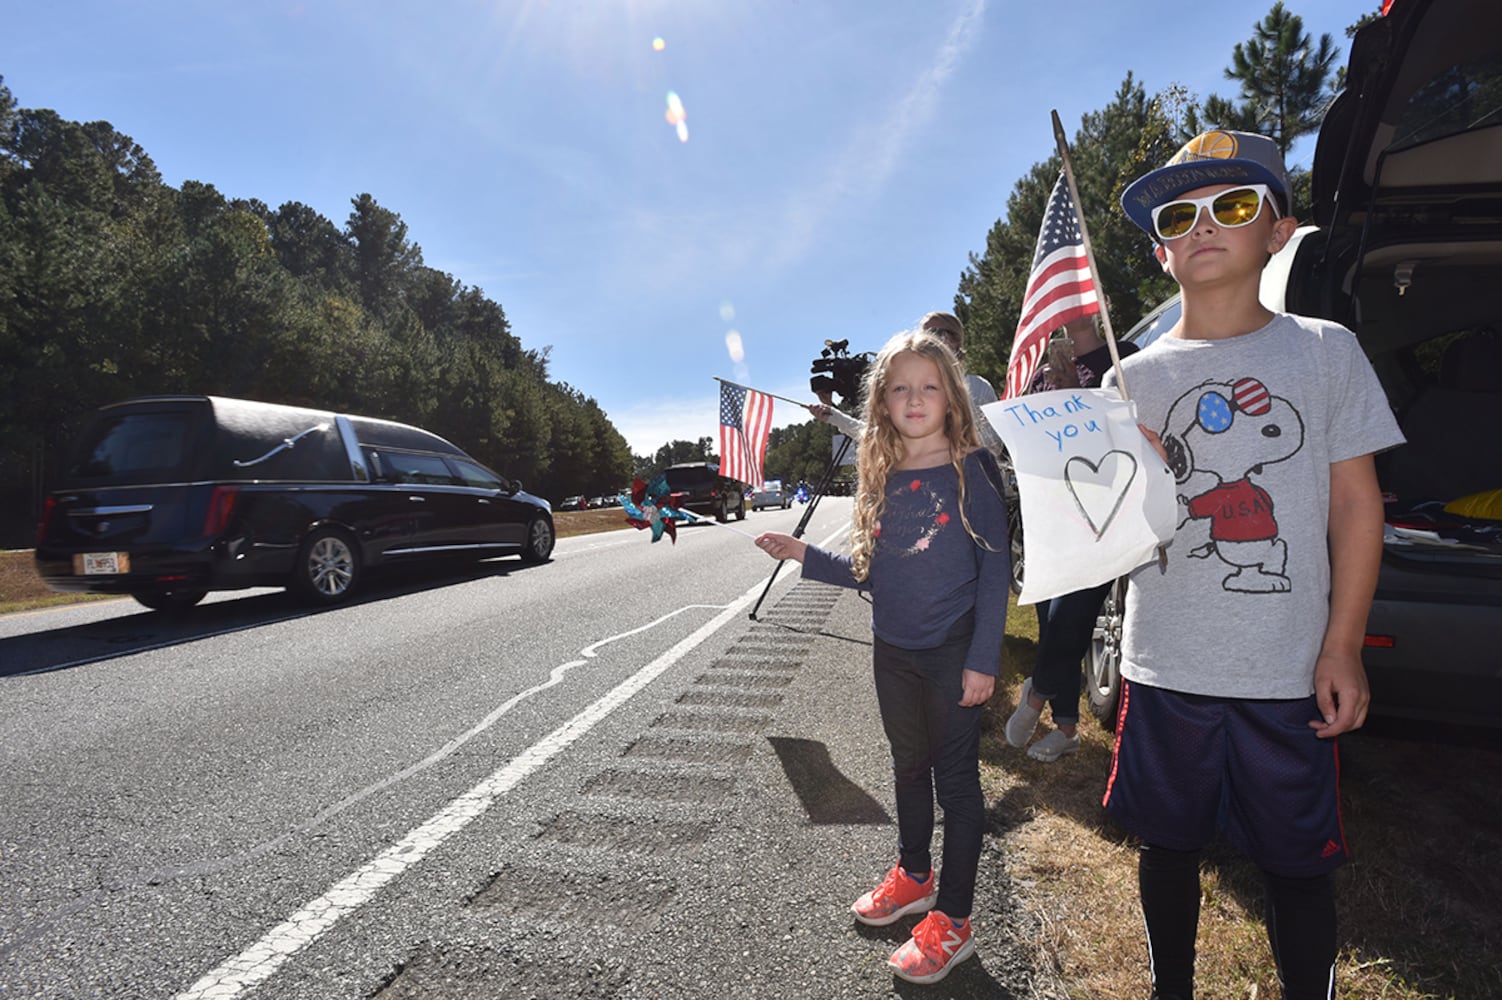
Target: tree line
114, 284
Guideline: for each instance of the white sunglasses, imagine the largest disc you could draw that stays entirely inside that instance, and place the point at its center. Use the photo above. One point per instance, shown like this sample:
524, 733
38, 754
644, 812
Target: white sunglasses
1230, 209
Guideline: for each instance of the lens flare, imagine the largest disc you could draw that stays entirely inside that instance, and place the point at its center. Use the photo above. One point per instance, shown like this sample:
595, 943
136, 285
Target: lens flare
677, 117
658, 44
735, 347
727, 312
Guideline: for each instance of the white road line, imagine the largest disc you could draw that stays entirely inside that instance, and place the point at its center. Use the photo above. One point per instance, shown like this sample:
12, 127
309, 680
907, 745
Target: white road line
256, 963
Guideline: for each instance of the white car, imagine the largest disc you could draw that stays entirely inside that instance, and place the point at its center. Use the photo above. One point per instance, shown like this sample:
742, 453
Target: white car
771, 494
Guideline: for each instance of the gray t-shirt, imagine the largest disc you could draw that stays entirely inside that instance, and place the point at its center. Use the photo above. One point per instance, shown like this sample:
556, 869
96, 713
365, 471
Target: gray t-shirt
1251, 424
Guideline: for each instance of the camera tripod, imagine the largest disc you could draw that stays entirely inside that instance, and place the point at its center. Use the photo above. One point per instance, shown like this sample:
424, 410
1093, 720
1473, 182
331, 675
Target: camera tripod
813, 503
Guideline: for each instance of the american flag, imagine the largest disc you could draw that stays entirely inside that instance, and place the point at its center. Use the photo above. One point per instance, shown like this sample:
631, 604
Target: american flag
745, 423
1059, 289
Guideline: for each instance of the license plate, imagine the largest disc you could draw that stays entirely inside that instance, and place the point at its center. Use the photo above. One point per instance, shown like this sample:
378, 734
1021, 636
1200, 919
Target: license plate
101, 563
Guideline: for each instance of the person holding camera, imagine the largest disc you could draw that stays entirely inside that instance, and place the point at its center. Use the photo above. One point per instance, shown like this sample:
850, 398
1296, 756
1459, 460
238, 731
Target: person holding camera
948, 328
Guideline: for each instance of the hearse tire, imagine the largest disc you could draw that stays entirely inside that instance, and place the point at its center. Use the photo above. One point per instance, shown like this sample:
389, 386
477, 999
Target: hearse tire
327, 568
540, 539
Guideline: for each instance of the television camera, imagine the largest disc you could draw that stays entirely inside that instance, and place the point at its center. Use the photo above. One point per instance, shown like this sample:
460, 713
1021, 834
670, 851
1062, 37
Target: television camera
836, 370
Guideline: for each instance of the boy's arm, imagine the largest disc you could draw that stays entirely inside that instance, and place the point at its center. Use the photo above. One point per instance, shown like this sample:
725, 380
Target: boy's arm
1355, 531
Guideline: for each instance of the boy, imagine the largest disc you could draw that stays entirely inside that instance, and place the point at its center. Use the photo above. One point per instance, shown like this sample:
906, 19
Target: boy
1242, 654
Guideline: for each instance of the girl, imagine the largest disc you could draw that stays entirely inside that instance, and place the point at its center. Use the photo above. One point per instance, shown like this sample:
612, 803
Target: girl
928, 541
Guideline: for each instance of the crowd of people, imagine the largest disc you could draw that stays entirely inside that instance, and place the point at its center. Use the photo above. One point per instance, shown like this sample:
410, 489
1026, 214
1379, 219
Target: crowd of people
1241, 651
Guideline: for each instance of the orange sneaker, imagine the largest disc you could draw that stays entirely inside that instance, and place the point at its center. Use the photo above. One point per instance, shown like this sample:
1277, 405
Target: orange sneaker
898, 895
938, 945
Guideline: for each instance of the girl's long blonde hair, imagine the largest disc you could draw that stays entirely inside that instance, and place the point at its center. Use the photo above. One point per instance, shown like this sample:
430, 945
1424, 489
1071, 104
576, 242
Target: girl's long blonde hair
881, 447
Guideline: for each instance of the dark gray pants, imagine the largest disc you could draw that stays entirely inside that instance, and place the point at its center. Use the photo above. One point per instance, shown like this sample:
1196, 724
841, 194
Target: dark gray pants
935, 749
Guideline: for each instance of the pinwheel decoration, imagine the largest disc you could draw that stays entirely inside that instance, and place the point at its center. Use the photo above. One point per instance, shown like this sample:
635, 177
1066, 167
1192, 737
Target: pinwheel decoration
651, 506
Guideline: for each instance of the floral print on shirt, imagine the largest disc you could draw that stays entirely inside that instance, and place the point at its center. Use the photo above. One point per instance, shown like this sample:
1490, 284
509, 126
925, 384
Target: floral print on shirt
914, 523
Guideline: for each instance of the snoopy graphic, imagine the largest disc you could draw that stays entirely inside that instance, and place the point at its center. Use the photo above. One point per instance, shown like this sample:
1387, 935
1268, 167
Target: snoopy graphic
1217, 435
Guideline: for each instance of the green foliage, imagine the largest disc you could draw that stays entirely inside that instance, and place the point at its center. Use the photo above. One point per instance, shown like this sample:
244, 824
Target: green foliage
1283, 75
1111, 148
802, 452
113, 284
672, 453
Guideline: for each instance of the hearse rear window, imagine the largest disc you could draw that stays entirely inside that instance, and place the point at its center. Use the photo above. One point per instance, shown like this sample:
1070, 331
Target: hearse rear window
422, 470
133, 448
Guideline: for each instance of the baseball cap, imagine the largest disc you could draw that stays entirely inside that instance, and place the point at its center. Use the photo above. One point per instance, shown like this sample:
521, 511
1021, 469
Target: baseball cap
1214, 157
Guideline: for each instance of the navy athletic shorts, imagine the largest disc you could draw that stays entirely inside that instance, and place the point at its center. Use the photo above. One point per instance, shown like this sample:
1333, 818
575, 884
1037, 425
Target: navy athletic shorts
1188, 765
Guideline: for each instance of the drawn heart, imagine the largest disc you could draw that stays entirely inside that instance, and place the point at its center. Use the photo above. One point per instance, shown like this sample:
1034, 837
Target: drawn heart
1099, 488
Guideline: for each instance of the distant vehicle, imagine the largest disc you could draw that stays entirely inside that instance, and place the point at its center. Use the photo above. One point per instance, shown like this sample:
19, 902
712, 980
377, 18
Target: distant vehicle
699, 487
166, 498
574, 503
771, 494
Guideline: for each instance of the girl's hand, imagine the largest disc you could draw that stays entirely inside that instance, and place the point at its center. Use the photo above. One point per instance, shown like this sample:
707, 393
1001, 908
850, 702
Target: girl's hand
978, 688
780, 546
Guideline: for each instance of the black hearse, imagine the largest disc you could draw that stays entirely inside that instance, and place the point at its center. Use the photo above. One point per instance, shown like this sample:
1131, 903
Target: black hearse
168, 497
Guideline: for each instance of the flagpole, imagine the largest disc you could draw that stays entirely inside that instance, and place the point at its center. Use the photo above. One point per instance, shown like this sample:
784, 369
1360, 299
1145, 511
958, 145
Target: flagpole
697, 519
1100, 288
762, 391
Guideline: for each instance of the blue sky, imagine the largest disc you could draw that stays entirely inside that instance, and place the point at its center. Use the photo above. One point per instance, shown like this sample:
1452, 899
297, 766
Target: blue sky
843, 158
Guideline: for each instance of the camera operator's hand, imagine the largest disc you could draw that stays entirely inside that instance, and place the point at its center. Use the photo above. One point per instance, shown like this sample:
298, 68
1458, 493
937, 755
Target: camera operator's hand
820, 410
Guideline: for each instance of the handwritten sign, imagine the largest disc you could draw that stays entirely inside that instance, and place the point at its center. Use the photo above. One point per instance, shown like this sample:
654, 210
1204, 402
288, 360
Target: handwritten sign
1097, 501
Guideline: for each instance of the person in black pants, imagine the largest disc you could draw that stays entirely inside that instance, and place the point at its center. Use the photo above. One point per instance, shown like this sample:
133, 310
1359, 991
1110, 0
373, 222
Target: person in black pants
1077, 357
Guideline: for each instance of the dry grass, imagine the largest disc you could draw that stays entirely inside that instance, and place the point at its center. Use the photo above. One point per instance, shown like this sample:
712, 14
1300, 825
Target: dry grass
21, 589
569, 523
1419, 906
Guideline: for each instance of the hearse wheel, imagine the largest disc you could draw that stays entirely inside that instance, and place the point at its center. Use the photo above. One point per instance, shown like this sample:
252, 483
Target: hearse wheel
327, 567
539, 541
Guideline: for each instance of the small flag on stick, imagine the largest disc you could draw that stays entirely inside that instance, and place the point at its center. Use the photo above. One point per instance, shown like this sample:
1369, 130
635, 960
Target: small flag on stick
745, 423
1059, 288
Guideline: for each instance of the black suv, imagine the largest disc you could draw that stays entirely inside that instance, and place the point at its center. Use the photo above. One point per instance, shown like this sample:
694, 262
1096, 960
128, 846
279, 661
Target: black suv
1407, 252
699, 487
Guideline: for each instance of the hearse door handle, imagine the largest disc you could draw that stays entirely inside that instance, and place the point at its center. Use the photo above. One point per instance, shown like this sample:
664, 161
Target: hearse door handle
418, 499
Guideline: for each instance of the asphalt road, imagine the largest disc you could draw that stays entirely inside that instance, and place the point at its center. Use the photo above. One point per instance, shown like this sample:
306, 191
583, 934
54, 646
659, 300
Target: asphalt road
592, 778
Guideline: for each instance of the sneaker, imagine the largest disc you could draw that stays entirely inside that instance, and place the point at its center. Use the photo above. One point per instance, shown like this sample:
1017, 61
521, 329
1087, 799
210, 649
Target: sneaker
898, 895
937, 945
1053, 746
1025, 719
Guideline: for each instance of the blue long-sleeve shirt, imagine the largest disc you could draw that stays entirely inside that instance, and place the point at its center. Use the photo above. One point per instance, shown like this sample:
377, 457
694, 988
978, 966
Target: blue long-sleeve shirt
926, 571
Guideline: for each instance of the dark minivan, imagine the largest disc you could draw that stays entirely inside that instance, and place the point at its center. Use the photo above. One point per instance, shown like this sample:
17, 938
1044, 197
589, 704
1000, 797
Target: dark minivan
166, 498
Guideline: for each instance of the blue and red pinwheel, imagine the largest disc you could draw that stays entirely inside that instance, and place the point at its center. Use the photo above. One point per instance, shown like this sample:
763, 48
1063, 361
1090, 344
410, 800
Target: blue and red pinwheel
650, 505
